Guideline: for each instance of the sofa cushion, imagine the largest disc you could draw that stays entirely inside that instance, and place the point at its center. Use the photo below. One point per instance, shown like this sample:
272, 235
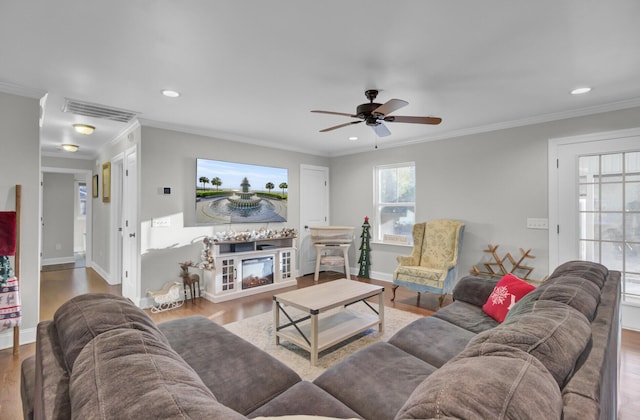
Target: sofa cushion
51, 395
594, 272
467, 316
504, 383
507, 292
27, 386
128, 373
595, 375
552, 332
474, 290
305, 398
243, 377
375, 381
84, 317
432, 340
579, 293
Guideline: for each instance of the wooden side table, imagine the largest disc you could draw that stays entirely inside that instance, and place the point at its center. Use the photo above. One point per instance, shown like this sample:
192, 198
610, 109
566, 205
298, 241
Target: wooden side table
331, 259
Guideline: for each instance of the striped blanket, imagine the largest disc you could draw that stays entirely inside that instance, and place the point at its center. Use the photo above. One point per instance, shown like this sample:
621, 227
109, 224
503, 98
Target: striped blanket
10, 314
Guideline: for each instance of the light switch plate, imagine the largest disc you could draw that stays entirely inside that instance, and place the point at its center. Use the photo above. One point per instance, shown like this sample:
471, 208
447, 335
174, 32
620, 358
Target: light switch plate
537, 223
161, 222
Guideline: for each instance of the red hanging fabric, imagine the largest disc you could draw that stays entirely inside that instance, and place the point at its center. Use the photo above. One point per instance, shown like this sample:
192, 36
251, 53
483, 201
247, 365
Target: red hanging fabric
7, 233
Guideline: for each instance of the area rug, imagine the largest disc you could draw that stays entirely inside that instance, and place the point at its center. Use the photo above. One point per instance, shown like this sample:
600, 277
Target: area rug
258, 330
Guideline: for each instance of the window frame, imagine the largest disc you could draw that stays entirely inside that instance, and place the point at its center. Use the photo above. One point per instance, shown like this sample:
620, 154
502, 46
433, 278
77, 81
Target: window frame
378, 205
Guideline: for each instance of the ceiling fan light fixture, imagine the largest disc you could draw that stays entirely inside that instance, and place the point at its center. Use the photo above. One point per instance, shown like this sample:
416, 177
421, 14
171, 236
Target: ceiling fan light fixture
70, 147
84, 129
581, 90
353, 138
170, 93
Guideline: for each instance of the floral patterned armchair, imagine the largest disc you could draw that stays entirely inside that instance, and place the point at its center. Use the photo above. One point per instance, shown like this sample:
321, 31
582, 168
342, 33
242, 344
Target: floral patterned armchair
433, 264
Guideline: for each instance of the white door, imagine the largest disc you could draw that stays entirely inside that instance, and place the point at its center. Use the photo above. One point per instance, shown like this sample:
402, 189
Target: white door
130, 239
314, 211
594, 203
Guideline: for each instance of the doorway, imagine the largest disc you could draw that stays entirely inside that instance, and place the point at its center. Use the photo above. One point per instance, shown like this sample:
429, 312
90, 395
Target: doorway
314, 211
65, 209
594, 204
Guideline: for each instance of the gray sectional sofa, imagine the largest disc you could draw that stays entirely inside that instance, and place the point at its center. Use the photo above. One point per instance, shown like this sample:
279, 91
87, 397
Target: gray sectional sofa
555, 356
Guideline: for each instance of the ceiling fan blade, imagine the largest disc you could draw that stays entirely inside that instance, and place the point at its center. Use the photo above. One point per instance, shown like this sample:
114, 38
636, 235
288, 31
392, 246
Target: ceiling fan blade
381, 130
414, 120
340, 126
390, 106
344, 114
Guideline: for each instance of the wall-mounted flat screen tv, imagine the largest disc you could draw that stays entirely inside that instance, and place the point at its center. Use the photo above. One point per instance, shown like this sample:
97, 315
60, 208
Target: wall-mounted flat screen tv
230, 192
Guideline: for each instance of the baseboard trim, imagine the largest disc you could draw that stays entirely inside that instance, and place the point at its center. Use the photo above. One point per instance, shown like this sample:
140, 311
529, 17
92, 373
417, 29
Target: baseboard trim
27, 335
61, 260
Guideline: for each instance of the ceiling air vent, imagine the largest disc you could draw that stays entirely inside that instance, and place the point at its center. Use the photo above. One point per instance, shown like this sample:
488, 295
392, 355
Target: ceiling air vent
97, 111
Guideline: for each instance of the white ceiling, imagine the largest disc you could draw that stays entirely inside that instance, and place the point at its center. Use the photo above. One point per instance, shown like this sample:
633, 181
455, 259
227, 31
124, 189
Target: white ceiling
252, 70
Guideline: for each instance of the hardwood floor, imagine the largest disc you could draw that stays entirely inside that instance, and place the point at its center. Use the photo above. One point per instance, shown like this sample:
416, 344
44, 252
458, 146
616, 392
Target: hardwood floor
58, 286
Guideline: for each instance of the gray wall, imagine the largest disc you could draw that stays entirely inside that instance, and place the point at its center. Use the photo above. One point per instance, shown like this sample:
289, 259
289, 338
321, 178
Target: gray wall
20, 144
168, 159
101, 217
58, 215
492, 181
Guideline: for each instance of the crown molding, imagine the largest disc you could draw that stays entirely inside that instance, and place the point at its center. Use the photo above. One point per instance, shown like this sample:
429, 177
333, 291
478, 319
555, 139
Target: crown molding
13, 89
228, 136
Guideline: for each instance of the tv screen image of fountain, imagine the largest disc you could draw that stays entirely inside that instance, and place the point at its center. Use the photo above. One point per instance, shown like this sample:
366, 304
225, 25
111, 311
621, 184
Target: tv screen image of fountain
230, 192
257, 272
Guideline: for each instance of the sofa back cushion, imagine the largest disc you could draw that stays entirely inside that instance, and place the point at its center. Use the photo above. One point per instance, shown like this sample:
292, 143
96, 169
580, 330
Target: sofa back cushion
554, 333
580, 294
157, 382
474, 289
84, 317
594, 272
500, 383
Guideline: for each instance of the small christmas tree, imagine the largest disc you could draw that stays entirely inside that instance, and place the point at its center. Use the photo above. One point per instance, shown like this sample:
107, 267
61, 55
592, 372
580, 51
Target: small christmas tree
364, 261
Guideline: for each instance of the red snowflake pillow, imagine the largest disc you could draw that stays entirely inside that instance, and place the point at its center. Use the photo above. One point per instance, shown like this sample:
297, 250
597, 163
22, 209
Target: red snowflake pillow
507, 292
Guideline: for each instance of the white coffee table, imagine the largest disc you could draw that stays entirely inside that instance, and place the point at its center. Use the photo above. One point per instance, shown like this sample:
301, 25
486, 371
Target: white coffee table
314, 332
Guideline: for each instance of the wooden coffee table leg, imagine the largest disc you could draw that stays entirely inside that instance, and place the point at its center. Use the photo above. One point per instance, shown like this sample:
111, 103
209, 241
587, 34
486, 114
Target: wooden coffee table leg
276, 320
314, 338
381, 310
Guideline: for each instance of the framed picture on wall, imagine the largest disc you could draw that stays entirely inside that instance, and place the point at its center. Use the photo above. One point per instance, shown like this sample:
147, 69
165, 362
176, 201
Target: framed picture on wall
94, 187
106, 182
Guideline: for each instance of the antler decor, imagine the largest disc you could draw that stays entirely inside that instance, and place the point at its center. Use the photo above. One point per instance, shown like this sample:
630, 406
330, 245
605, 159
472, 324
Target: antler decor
497, 268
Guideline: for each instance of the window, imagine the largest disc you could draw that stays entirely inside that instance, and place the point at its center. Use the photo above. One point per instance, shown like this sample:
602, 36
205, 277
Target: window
395, 202
609, 211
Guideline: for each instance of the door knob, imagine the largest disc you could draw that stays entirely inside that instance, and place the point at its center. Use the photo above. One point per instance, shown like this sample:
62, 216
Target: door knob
132, 235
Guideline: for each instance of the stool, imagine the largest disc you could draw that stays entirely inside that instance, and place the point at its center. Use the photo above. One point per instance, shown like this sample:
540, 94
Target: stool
193, 282
332, 260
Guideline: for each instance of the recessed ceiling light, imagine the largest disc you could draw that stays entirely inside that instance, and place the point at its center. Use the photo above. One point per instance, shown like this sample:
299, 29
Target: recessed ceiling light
70, 147
581, 90
353, 138
170, 93
84, 128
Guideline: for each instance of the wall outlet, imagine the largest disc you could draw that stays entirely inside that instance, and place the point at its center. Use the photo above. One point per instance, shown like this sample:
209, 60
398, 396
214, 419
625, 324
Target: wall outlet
161, 222
535, 223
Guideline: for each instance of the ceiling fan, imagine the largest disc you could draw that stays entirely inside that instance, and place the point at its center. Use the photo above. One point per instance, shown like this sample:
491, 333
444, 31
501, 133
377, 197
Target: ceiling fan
374, 114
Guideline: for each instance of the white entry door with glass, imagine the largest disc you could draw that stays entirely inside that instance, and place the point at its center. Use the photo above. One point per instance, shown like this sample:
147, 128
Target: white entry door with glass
598, 207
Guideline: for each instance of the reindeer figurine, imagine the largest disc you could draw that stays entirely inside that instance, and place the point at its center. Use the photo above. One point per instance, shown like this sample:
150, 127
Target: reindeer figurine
190, 280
